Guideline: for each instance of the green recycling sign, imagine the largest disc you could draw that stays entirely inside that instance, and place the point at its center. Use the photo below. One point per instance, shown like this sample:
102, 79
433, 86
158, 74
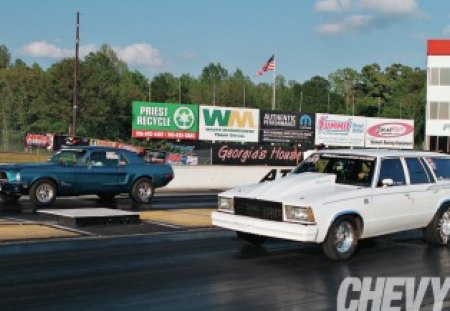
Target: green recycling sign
164, 121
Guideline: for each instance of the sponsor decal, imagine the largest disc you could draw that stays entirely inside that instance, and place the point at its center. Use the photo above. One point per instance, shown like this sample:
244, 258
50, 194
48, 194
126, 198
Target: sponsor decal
228, 124
306, 121
286, 127
393, 129
325, 124
165, 121
253, 154
392, 293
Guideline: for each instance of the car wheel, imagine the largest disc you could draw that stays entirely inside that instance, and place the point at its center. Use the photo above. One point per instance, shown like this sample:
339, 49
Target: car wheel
252, 239
106, 197
9, 198
142, 190
43, 192
341, 240
438, 231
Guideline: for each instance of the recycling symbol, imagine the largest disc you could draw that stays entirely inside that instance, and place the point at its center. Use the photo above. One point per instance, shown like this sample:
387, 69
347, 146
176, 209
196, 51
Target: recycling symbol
184, 118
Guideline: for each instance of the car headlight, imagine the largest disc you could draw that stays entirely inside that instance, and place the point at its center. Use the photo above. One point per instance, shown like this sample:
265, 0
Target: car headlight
225, 205
299, 214
13, 176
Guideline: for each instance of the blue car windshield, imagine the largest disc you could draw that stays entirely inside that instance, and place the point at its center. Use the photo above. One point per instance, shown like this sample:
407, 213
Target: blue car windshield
67, 156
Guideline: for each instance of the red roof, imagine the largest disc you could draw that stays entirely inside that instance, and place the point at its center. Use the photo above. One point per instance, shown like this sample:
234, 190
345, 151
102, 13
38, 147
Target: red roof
438, 47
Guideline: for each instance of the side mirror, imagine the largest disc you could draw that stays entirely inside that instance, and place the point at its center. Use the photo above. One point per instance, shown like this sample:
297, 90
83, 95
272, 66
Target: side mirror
387, 182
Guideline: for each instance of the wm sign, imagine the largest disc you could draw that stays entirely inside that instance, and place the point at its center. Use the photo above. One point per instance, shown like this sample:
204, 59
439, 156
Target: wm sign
228, 124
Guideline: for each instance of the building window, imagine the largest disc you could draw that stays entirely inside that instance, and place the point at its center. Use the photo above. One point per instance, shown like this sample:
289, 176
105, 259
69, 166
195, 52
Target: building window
433, 110
443, 111
434, 76
444, 76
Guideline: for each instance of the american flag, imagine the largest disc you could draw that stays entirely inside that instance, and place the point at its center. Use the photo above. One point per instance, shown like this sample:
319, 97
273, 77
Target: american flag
269, 65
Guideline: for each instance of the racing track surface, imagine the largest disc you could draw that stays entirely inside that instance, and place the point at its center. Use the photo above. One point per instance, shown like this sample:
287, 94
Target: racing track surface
200, 270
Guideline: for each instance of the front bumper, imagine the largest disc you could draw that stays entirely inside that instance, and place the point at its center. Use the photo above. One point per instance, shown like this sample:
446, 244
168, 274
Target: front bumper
12, 188
275, 229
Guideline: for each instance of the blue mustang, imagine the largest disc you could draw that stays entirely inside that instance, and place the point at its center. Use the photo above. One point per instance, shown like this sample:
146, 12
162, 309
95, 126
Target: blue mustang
103, 171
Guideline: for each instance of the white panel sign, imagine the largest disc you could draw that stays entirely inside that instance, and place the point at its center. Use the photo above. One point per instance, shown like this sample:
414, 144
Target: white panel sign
340, 130
437, 127
228, 124
389, 133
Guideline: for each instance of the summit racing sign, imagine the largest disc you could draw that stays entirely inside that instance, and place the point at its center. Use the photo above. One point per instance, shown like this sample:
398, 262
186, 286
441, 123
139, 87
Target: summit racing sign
340, 130
164, 121
228, 124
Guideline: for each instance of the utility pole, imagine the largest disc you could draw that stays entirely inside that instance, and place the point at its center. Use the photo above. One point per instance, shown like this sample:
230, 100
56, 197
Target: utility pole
75, 78
149, 90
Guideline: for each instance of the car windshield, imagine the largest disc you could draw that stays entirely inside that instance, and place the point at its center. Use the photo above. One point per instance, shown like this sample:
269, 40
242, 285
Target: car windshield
67, 156
349, 170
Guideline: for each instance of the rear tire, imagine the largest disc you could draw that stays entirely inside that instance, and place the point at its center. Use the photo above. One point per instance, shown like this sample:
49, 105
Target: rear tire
438, 231
252, 239
142, 191
43, 192
342, 239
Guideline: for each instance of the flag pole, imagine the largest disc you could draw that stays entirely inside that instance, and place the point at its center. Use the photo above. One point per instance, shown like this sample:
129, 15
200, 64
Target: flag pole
274, 85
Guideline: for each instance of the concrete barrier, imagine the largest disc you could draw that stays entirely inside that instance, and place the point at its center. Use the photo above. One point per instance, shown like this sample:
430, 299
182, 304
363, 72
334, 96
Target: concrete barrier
218, 177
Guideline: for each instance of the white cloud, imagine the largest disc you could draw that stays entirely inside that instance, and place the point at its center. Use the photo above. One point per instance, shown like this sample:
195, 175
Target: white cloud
447, 30
353, 23
189, 56
44, 49
332, 5
391, 7
141, 54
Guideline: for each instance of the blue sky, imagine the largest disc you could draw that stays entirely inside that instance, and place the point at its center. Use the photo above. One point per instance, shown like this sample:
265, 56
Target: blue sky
309, 37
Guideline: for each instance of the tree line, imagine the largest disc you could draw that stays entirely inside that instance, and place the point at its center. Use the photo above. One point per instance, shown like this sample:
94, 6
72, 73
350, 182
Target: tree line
38, 100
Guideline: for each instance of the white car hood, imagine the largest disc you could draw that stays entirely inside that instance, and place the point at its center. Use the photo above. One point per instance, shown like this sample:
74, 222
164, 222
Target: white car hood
305, 188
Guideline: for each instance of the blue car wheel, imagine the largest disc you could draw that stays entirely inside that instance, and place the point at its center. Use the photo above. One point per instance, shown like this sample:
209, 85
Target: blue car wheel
43, 192
142, 190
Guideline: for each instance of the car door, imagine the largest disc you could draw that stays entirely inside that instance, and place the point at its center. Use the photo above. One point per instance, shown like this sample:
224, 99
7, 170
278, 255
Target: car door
101, 173
423, 197
390, 208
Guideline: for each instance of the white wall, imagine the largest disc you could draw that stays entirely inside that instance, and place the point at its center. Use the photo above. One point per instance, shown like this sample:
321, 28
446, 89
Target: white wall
219, 177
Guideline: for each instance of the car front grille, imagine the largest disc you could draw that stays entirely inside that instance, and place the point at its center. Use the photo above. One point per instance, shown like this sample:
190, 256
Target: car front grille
3, 176
258, 209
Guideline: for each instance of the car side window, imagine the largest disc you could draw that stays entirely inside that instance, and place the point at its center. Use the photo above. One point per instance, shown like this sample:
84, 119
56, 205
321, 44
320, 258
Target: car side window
440, 166
417, 173
391, 169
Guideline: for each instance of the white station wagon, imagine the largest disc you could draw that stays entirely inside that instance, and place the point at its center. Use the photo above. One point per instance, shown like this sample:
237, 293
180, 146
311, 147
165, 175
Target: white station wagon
336, 197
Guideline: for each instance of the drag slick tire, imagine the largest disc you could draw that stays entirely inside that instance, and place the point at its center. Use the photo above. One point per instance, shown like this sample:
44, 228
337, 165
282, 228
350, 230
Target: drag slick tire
438, 231
142, 191
342, 239
43, 192
252, 239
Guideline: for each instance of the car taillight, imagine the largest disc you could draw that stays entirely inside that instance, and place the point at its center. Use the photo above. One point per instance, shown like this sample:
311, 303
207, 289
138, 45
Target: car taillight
168, 176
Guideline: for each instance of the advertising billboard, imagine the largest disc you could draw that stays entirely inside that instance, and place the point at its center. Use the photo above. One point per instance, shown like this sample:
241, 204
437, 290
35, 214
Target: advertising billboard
286, 127
389, 133
254, 154
164, 121
228, 124
340, 130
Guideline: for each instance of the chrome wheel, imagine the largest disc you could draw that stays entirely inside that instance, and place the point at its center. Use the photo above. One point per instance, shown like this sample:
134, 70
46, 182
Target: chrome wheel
145, 191
444, 226
142, 191
345, 236
45, 192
